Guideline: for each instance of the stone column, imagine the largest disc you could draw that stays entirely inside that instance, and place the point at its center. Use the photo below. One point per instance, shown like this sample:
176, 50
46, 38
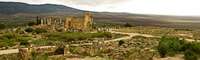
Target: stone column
49, 21
45, 21
66, 51
87, 20
60, 21
67, 23
42, 21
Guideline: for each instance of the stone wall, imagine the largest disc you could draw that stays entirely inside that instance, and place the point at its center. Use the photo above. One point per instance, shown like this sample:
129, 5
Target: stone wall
26, 53
68, 23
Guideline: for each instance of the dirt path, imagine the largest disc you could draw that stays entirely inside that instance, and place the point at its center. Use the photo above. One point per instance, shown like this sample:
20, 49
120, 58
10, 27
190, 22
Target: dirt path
10, 51
147, 35
130, 35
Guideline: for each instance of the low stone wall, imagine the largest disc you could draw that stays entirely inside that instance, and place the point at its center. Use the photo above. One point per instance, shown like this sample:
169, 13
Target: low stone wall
96, 49
68, 50
26, 53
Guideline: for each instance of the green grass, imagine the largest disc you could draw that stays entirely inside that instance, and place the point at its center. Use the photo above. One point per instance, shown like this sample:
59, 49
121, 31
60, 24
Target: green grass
11, 39
59, 38
72, 36
10, 57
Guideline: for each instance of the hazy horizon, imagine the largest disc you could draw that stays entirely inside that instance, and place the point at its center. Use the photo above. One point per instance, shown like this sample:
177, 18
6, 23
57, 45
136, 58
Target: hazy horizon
158, 7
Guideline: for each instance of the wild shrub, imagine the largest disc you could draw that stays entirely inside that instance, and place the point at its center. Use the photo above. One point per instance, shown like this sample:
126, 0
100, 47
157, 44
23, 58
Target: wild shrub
194, 46
60, 50
10, 36
11, 39
37, 56
121, 42
128, 25
172, 45
32, 23
29, 30
190, 55
6, 42
71, 36
42, 42
8, 39
169, 46
39, 30
24, 41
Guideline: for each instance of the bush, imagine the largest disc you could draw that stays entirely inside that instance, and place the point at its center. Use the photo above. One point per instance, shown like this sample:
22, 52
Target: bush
42, 42
60, 50
6, 42
32, 23
29, 30
121, 42
11, 39
190, 55
10, 36
8, 39
71, 36
37, 56
102, 34
128, 25
24, 41
169, 46
194, 46
39, 30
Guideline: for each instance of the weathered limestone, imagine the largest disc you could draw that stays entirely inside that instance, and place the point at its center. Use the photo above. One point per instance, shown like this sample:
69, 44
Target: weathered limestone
69, 23
25, 53
79, 23
88, 20
66, 51
49, 21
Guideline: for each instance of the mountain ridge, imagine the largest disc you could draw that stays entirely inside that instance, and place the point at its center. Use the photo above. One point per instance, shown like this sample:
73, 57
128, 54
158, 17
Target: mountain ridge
11, 8
17, 11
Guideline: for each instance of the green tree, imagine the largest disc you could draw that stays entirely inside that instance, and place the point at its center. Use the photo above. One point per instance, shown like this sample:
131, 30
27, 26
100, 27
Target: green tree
169, 46
190, 55
121, 42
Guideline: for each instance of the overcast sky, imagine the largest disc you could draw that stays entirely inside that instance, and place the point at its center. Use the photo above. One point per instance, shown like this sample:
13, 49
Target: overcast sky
162, 7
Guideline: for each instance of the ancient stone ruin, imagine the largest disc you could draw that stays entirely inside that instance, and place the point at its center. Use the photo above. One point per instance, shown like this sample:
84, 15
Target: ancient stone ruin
67, 23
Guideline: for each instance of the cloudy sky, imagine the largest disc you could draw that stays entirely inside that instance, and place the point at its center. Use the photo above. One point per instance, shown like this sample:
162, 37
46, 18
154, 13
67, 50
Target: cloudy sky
162, 7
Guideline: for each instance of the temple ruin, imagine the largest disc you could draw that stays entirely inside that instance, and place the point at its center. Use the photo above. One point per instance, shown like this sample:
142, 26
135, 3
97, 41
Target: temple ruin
69, 23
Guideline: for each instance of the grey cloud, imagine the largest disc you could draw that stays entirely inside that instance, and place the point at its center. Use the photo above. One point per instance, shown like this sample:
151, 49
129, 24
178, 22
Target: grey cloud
93, 2
75, 2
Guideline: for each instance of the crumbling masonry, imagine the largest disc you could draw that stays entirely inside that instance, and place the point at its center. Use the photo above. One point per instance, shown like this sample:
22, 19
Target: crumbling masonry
68, 23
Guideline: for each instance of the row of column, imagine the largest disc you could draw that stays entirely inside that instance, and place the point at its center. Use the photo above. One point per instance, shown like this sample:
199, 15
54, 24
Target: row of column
49, 21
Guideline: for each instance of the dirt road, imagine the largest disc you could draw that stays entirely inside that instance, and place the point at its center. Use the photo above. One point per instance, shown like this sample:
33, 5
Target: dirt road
10, 51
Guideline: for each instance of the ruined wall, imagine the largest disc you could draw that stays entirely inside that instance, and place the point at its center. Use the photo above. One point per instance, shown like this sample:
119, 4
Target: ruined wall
88, 20
68, 23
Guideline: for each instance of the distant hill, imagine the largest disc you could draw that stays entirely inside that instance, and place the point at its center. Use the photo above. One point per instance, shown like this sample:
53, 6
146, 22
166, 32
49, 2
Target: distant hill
17, 12
11, 8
